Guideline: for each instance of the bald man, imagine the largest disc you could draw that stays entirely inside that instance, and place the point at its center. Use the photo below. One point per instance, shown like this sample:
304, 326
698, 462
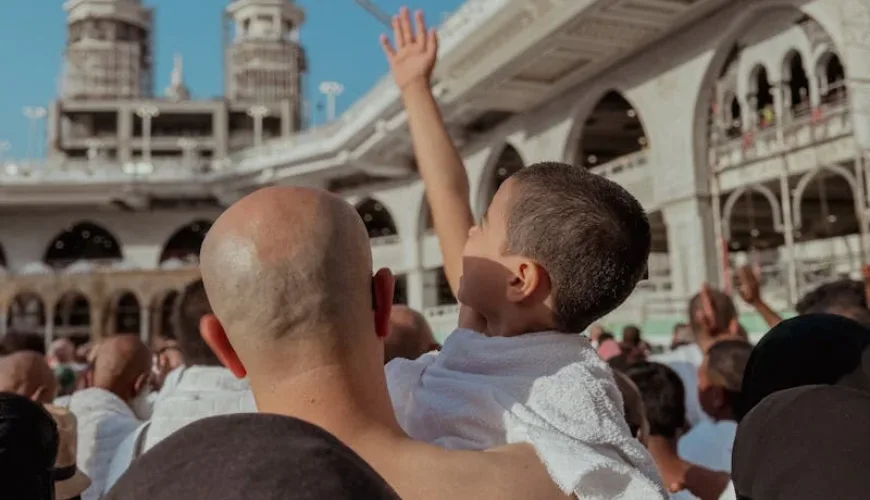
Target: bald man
288, 272
410, 335
27, 374
112, 407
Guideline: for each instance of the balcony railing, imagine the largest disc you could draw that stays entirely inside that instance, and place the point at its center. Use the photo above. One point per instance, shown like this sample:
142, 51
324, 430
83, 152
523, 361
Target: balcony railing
623, 164
107, 171
819, 125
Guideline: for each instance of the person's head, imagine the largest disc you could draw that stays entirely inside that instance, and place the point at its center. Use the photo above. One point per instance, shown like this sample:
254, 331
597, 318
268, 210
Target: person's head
288, 273
663, 398
841, 293
122, 365
632, 405
683, 335
724, 314
631, 336
191, 306
558, 248
595, 331
27, 374
720, 377
813, 349
28, 448
15, 341
61, 351
410, 335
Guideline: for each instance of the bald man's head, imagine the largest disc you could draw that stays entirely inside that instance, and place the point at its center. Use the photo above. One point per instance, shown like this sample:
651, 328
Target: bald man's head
288, 263
27, 374
122, 365
410, 335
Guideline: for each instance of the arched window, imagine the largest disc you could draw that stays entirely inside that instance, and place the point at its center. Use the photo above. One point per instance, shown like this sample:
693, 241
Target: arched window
734, 115
128, 318
612, 130
84, 241
378, 220
72, 316
798, 86
833, 79
184, 244
508, 163
26, 313
763, 98
167, 309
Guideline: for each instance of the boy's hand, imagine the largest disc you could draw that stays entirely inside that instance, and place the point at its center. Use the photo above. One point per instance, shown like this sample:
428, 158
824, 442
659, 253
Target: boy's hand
749, 286
413, 58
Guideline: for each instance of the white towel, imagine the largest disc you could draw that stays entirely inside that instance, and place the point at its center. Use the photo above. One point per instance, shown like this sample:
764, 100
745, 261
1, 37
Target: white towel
548, 389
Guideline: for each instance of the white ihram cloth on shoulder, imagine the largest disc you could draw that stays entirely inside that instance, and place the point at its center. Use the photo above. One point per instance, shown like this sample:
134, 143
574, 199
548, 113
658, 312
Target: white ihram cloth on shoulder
548, 389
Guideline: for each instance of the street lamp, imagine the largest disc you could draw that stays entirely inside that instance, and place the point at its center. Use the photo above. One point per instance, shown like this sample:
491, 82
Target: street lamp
4, 147
258, 113
331, 90
147, 113
33, 115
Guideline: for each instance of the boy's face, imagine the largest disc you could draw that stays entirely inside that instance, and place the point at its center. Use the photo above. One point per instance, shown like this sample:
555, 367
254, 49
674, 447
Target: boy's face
488, 271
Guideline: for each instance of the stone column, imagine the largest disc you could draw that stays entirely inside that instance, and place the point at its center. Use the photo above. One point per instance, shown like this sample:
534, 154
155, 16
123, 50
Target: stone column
691, 245
49, 325
98, 320
144, 324
125, 134
287, 125
220, 132
430, 288
415, 282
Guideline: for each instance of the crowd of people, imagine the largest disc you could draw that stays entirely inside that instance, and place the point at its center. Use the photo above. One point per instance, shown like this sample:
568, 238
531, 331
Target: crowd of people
288, 372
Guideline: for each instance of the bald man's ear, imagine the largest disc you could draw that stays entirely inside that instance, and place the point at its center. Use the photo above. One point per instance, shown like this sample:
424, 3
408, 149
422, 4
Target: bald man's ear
215, 336
383, 285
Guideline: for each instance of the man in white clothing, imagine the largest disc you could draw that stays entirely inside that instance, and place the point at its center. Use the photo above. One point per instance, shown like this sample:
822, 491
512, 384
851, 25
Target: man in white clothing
720, 376
107, 411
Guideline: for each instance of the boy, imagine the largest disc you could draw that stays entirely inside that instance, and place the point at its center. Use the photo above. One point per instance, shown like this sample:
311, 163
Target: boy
557, 249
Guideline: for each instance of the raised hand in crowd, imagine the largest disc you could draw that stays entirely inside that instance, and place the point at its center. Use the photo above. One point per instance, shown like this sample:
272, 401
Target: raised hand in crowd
707, 318
412, 57
749, 288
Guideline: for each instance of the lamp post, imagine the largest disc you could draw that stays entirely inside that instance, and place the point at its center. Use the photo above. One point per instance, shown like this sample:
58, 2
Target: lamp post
331, 90
258, 112
147, 113
33, 114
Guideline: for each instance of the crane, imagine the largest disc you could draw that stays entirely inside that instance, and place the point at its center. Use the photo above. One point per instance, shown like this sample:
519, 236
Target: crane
376, 12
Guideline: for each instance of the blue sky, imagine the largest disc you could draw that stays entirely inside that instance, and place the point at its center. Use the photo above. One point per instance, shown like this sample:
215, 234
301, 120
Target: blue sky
340, 39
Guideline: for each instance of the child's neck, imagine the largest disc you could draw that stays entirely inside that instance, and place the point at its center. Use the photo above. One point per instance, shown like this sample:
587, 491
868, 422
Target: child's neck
511, 326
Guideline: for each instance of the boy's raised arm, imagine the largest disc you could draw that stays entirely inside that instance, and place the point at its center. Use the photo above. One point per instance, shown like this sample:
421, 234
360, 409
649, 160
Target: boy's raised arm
411, 63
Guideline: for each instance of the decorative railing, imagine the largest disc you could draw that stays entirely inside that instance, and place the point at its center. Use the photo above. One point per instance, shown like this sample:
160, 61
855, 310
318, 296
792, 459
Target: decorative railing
819, 125
380, 241
623, 164
83, 172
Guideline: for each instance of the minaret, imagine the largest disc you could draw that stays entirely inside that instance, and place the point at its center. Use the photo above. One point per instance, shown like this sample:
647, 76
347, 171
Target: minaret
177, 90
265, 61
108, 54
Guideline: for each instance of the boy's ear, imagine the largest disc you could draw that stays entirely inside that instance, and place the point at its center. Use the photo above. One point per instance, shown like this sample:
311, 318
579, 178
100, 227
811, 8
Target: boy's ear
528, 280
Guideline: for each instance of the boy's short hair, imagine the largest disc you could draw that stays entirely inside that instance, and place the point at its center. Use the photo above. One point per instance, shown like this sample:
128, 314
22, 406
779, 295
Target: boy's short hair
589, 234
726, 362
190, 307
664, 398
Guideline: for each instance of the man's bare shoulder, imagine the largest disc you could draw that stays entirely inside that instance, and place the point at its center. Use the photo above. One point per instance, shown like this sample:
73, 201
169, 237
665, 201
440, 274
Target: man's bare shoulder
507, 473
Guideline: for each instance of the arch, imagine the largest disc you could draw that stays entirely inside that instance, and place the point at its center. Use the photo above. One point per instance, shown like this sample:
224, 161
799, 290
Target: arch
26, 313
612, 129
796, 84
378, 220
82, 241
805, 181
744, 20
499, 168
72, 315
734, 197
832, 78
128, 313
185, 243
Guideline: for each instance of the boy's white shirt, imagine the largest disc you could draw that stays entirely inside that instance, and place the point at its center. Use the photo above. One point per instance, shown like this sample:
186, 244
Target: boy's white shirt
548, 389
